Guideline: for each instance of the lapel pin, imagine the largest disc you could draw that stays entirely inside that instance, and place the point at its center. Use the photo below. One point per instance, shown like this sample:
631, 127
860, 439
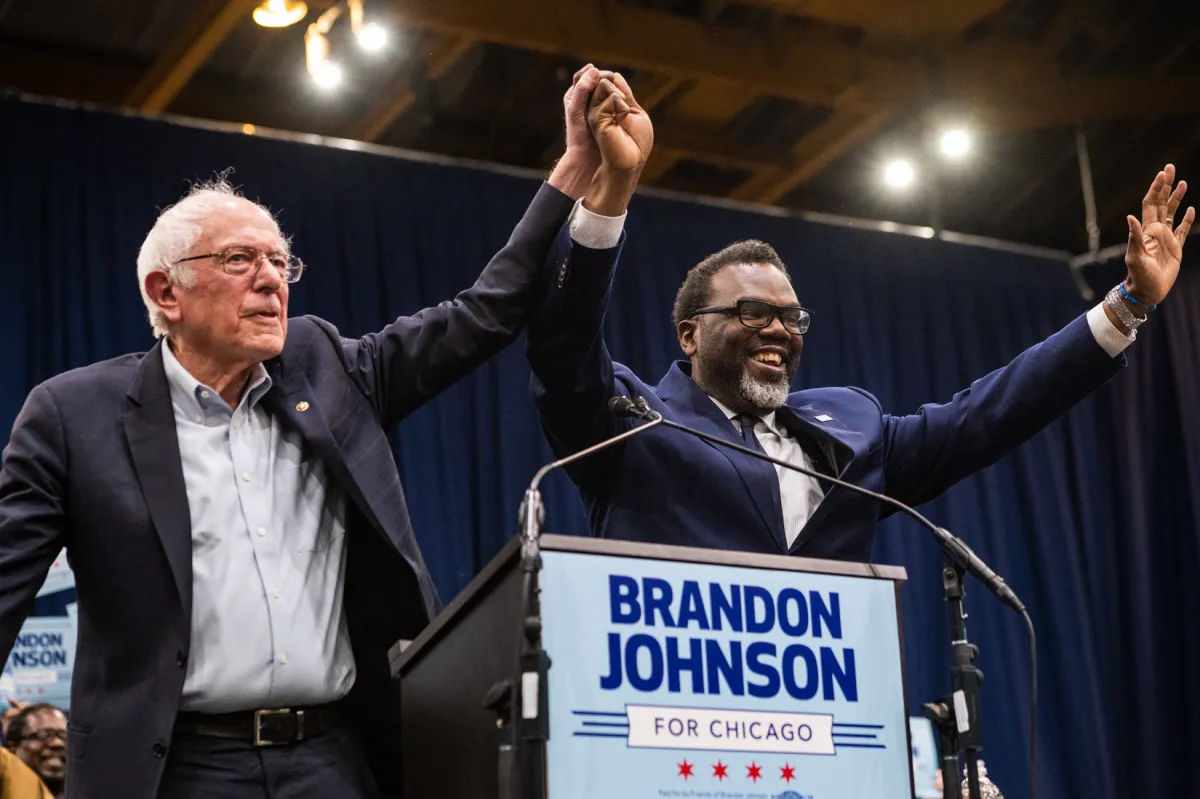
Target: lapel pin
824, 418
302, 406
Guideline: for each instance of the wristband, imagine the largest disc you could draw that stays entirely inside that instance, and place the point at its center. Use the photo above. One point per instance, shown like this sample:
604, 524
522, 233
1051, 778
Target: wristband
1125, 293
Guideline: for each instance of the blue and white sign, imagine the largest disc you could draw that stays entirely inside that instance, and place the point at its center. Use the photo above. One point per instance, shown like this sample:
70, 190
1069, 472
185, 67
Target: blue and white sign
42, 660
677, 679
59, 578
924, 758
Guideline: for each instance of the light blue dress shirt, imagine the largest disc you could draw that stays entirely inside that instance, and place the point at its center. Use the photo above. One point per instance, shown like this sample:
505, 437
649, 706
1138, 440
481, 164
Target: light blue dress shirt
268, 556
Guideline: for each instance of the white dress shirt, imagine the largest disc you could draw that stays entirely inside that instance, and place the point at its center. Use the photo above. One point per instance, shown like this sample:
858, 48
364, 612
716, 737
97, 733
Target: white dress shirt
799, 494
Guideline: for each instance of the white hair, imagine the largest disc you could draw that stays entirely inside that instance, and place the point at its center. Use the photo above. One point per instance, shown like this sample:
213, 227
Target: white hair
175, 231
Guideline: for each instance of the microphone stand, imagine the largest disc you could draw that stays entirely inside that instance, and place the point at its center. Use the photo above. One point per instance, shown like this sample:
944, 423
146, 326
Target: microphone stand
525, 700
962, 711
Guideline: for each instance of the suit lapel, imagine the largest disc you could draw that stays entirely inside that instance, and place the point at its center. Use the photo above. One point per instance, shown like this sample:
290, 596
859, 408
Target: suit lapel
679, 391
154, 447
803, 424
802, 421
292, 400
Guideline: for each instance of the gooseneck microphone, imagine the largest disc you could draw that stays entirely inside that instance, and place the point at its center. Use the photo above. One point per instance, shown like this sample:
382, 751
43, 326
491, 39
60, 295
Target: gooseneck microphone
961, 728
955, 548
521, 703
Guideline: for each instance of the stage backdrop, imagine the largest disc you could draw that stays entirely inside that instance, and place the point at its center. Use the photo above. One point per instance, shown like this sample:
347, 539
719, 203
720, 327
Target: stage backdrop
1093, 522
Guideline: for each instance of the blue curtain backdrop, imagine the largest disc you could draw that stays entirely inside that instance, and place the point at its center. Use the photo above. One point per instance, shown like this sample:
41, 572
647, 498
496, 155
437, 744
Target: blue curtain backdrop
1093, 522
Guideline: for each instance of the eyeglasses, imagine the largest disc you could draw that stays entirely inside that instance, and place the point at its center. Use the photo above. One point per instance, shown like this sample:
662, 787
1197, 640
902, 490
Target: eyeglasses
44, 736
242, 261
758, 315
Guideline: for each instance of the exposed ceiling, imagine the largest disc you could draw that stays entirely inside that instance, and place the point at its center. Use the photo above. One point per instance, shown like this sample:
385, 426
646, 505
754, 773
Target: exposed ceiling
790, 102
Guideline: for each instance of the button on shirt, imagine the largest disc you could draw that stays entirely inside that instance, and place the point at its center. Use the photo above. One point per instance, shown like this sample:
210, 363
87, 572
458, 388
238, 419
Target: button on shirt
799, 494
268, 556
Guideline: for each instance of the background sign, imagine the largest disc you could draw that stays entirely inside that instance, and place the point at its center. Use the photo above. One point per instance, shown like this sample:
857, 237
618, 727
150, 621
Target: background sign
40, 665
924, 757
693, 680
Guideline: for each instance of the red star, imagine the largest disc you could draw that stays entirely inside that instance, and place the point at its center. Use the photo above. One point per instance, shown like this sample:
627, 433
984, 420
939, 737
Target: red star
754, 772
685, 770
720, 771
788, 774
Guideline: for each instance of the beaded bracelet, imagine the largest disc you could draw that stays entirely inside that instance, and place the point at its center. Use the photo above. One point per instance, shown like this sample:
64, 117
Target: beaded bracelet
1129, 297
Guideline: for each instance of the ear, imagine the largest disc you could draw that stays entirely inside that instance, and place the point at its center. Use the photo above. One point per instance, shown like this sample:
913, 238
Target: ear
687, 330
164, 293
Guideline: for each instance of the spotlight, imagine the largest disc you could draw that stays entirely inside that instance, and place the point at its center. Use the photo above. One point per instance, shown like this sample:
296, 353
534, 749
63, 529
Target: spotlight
327, 74
279, 13
899, 173
373, 37
956, 143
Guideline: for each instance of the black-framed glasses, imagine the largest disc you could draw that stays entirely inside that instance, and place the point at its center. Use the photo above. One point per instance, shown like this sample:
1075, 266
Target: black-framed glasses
44, 736
758, 314
242, 261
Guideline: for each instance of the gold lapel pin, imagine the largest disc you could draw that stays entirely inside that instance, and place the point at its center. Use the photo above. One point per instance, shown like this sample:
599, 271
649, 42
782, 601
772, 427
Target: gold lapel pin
302, 406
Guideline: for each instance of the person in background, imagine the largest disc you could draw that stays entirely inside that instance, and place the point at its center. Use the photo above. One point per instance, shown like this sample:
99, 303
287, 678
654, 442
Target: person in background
37, 735
17, 780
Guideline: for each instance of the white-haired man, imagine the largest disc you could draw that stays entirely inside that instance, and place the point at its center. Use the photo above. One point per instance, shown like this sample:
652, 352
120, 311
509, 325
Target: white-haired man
243, 555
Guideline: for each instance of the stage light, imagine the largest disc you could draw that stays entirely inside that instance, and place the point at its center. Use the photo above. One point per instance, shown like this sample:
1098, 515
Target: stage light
373, 37
899, 173
279, 13
956, 143
327, 74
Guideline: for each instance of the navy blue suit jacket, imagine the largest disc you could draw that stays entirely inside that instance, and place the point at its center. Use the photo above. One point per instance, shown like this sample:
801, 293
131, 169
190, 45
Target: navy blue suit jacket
93, 464
670, 488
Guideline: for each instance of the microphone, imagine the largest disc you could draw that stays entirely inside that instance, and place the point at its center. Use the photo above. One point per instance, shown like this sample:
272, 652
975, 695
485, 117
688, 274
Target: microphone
524, 698
955, 548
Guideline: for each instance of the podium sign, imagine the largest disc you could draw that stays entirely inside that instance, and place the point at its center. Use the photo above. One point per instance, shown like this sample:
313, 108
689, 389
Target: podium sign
689, 679
676, 672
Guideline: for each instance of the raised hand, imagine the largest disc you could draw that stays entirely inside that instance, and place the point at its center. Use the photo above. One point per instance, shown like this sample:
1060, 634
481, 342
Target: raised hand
1155, 247
574, 171
10, 713
621, 128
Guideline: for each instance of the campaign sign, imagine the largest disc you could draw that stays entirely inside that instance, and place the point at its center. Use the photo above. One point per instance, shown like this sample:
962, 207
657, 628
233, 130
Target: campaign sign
675, 679
59, 578
42, 659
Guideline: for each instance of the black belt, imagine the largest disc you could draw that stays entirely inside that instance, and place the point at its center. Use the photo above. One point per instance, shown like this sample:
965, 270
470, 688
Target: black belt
270, 727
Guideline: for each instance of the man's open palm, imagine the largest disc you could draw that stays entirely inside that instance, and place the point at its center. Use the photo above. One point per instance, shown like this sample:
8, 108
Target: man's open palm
1155, 246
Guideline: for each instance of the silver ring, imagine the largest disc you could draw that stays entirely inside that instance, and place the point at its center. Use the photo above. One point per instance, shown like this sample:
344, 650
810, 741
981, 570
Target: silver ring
1170, 220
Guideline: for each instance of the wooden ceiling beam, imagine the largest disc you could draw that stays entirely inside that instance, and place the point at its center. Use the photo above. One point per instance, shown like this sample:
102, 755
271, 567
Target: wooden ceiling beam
181, 59
889, 17
844, 129
1010, 85
806, 65
677, 143
400, 95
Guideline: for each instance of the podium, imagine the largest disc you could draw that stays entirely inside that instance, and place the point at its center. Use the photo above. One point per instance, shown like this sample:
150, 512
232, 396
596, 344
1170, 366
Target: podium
675, 672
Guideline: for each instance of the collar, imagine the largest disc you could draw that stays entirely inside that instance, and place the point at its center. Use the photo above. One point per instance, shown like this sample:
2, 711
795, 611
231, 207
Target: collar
196, 401
768, 419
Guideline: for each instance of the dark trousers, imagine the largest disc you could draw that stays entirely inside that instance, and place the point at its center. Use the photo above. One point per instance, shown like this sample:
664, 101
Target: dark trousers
329, 766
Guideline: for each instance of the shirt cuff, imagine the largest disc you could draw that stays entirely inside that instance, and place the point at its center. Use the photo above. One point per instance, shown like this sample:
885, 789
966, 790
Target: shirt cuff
594, 231
1110, 339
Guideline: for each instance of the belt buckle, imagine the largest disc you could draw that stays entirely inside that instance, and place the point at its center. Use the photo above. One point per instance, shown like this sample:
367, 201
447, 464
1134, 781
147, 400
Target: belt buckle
282, 711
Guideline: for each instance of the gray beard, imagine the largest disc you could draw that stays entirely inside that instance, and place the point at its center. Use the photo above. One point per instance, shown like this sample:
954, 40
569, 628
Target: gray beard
760, 394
